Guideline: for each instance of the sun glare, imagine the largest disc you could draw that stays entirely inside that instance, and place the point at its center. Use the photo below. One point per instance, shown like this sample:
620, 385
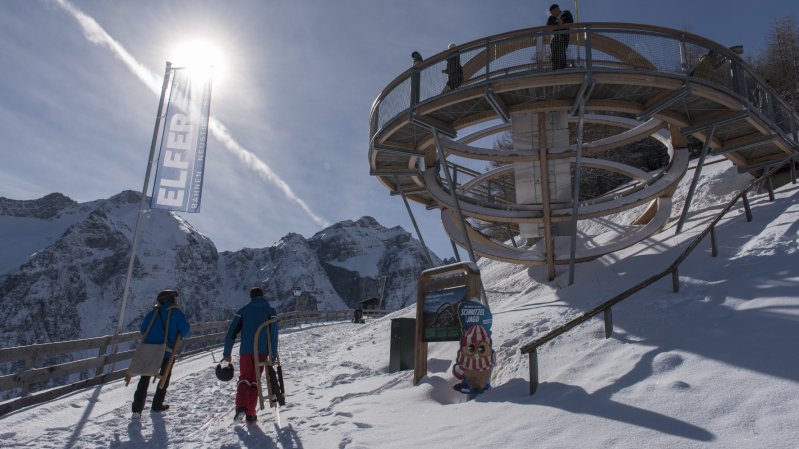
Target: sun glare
201, 57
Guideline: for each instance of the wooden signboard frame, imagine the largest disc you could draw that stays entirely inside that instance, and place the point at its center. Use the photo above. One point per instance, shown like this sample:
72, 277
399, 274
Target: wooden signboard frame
461, 274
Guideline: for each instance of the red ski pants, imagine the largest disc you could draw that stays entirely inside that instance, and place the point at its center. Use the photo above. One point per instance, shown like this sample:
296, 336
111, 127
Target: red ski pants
247, 391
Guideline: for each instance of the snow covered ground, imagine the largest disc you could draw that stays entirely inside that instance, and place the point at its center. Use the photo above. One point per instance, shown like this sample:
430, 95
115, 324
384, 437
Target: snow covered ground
714, 365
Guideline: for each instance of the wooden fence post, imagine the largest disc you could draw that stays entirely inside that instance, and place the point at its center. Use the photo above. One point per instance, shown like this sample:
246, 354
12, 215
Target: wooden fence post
30, 361
101, 355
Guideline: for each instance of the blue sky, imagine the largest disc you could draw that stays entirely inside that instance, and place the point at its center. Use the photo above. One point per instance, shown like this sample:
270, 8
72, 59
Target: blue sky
299, 79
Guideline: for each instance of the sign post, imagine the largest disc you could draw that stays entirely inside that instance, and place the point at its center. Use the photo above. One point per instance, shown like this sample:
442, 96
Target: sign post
137, 230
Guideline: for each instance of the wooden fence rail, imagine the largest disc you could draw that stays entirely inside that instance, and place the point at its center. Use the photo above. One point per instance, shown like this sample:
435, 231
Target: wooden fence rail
531, 349
96, 366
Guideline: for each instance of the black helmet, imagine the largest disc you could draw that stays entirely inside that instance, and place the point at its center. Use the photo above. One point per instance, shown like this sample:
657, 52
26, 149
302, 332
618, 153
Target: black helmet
224, 374
166, 295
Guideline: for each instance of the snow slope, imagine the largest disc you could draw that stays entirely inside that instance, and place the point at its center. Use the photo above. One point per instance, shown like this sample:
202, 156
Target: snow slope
714, 365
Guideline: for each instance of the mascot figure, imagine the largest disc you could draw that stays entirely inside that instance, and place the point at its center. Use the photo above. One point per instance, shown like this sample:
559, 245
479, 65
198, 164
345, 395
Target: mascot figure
476, 357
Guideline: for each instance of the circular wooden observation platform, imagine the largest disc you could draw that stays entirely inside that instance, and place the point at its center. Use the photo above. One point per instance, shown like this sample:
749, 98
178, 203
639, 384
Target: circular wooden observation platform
634, 82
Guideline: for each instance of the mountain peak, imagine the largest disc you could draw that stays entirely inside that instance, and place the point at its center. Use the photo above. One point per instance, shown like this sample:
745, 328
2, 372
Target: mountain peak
367, 221
125, 197
46, 207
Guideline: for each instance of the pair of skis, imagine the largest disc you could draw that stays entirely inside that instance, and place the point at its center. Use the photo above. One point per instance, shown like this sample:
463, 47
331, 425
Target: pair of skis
270, 362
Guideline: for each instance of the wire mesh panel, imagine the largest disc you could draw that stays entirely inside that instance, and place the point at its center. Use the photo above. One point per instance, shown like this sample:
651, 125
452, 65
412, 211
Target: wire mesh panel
578, 50
663, 52
755, 92
636, 51
433, 79
511, 56
710, 65
474, 64
782, 117
396, 101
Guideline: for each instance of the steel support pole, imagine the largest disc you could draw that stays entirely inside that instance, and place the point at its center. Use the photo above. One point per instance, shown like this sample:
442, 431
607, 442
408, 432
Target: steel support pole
454, 194
770, 187
747, 208
455, 250
714, 250
695, 181
684, 56
675, 280
608, 315
413, 220
510, 233
532, 362
137, 229
576, 191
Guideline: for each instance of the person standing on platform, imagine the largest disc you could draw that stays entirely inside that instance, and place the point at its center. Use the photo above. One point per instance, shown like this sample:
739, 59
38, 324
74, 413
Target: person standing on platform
454, 70
560, 42
417, 59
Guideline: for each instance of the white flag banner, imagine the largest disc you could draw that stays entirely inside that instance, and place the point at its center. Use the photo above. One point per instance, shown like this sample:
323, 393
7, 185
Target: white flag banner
181, 161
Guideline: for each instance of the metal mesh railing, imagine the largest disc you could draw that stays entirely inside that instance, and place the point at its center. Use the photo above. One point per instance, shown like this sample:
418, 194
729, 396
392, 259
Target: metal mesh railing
394, 102
629, 49
591, 47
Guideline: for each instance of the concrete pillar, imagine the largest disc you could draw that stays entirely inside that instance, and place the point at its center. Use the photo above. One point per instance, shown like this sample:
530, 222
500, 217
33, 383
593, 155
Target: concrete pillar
527, 175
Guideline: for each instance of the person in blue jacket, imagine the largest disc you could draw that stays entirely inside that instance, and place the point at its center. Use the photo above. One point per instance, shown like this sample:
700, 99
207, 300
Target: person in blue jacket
167, 302
247, 320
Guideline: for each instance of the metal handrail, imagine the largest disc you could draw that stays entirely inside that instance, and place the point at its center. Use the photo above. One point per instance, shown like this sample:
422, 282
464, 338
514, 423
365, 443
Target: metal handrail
584, 31
531, 347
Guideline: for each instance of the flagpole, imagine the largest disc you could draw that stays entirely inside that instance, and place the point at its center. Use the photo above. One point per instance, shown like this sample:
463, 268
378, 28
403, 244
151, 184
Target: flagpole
137, 230
576, 12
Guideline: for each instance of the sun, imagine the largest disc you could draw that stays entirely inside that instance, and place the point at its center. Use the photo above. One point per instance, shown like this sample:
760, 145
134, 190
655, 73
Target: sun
201, 57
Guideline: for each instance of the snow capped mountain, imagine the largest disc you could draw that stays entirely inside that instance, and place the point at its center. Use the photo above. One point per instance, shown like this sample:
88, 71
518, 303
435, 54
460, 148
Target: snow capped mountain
363, 258
63, 265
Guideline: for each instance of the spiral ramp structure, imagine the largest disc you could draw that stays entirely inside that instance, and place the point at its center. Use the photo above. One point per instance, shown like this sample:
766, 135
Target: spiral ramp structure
629, 83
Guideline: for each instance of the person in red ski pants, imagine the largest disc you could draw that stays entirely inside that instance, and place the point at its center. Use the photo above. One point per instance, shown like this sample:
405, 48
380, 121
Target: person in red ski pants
247, 320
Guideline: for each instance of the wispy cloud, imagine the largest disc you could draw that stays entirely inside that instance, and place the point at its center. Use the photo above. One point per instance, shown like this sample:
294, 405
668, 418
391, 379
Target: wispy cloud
223, 134
98, 36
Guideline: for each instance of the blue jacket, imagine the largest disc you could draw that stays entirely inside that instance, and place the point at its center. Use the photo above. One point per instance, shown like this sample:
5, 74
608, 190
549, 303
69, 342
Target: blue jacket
177, 324
247, 320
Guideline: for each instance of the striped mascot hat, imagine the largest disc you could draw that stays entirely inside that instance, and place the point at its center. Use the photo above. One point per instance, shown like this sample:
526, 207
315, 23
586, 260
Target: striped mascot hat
476, 352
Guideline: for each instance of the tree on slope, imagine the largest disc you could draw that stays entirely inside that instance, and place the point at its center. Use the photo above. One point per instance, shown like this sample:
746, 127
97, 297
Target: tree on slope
778, 64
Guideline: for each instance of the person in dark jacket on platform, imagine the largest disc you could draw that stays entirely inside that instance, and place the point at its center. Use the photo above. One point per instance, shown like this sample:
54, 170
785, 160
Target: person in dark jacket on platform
560, 42
454, 70
247, 320
165, 310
